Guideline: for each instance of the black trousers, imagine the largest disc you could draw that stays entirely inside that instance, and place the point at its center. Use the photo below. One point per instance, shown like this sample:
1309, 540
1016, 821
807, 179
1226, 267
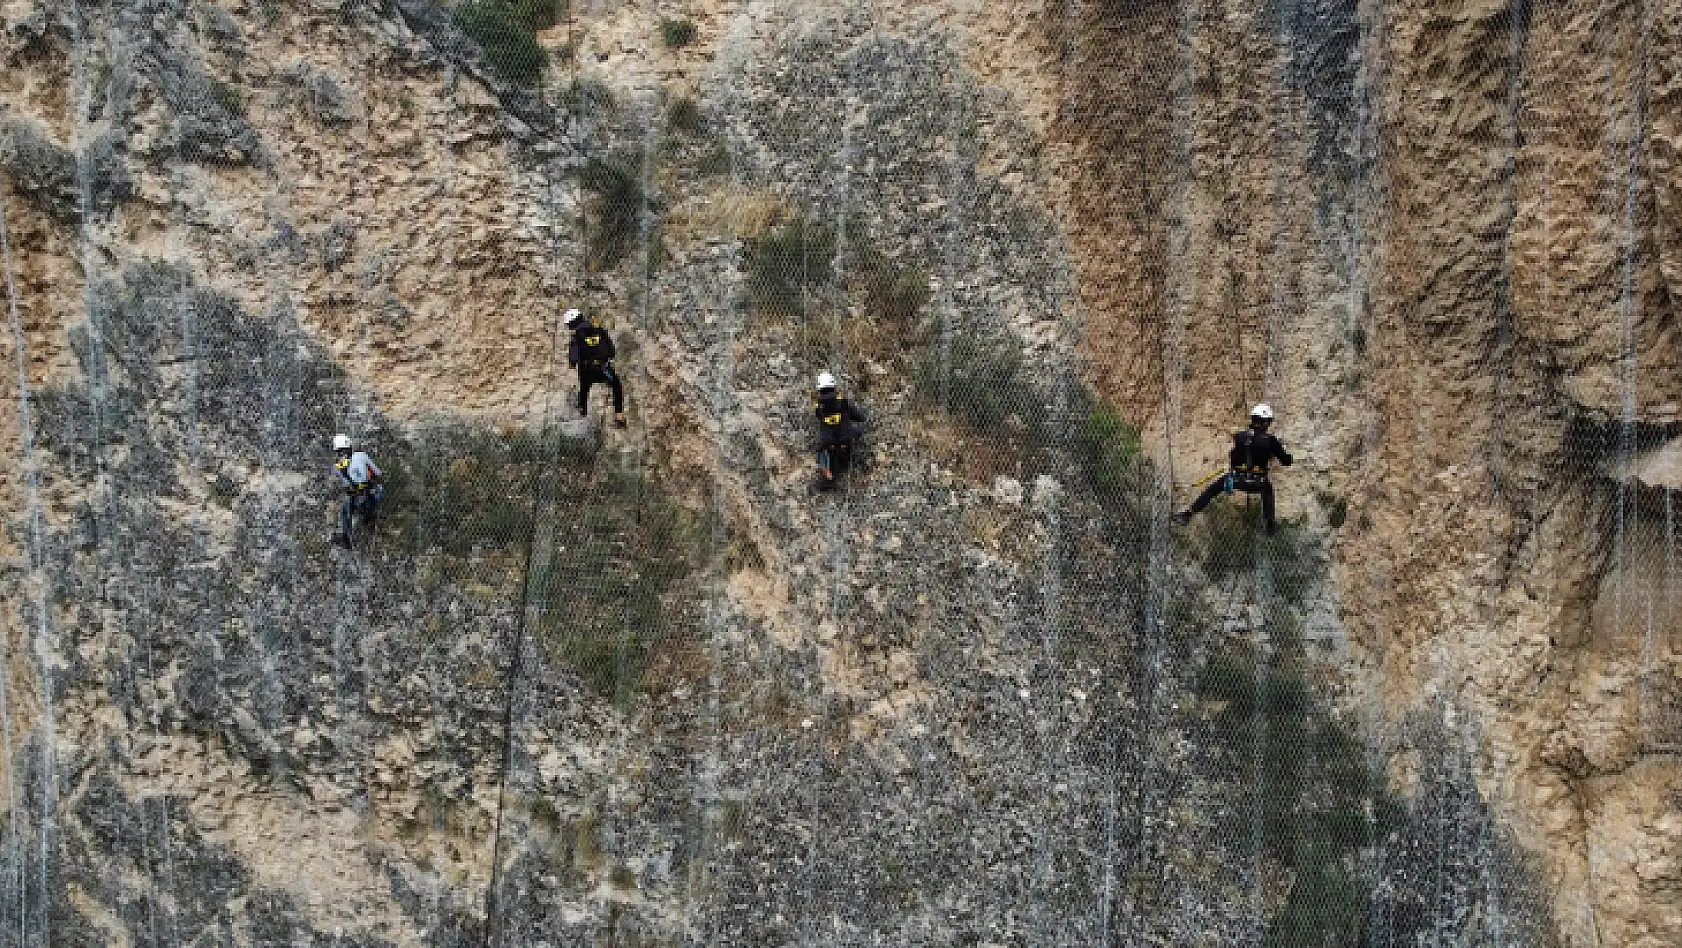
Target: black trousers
1218, 487
836, 458
589, 375
365, 503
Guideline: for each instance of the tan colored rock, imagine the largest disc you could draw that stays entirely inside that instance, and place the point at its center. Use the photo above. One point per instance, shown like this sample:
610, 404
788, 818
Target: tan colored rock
1510, 277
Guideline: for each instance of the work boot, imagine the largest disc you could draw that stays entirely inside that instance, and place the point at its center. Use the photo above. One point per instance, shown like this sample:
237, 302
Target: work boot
341, 540
1182, 518
619, 421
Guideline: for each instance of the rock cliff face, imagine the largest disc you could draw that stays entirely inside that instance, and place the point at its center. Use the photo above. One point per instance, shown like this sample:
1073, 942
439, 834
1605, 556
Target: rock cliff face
645, 687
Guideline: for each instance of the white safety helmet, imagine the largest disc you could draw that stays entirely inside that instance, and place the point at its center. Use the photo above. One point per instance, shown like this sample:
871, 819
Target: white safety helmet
341, 442
1262, 411
825, 380
572, 317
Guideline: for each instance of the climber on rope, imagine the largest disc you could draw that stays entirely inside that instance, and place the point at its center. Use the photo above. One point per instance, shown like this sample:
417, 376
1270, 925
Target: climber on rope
1252, 450
839, 428
591, 353
361, 478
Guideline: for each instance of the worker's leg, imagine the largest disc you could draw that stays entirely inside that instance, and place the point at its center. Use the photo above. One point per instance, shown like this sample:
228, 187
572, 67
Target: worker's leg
344, 520
1266, 491
841, 456
586, 378
1216, 488
618, 390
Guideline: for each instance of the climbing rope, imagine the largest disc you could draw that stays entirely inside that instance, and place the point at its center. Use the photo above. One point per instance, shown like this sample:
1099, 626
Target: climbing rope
31, 477
537, 491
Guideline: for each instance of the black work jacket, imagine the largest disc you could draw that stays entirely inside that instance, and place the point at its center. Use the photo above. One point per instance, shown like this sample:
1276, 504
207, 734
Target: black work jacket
1251, 452
838, 420
591, 346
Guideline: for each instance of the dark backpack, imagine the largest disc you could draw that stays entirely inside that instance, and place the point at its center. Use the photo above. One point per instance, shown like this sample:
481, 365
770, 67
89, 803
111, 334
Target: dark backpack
835, 417
1248, 467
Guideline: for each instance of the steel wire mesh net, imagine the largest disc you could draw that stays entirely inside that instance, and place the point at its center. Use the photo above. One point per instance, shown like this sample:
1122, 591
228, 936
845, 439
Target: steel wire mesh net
659, 683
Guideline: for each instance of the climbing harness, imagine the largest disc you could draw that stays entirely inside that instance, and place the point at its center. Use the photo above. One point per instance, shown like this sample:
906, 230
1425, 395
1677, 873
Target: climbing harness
1248, 473
1245, 474
357, 488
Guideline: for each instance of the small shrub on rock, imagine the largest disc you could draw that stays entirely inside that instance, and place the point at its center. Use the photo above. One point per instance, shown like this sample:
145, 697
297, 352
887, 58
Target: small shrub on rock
1107, 447
714, 161
507, 37
893, 294
613, 215
787, 263
684, 115
589, 96
540, 14
609, 610
677, 33
1313, 802
607, 601
980, 383
38, 166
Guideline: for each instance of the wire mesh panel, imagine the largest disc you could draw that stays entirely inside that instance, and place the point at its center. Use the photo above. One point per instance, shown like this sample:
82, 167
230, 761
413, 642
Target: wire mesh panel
636, 641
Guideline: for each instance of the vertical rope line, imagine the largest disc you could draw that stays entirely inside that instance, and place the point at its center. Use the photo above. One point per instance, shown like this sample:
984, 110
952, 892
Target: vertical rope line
1171, 357
1265, 646
1113, 907
1668, 738
187, 314
1608, 144
635, 544
1235, 287
1502, 351
739, 30
1379, 734
493, 928
349, 634
1632, 262
186, 305
832, 514
31, 476
639, 470
187, 327
96, 396
1369, 726
547, 438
